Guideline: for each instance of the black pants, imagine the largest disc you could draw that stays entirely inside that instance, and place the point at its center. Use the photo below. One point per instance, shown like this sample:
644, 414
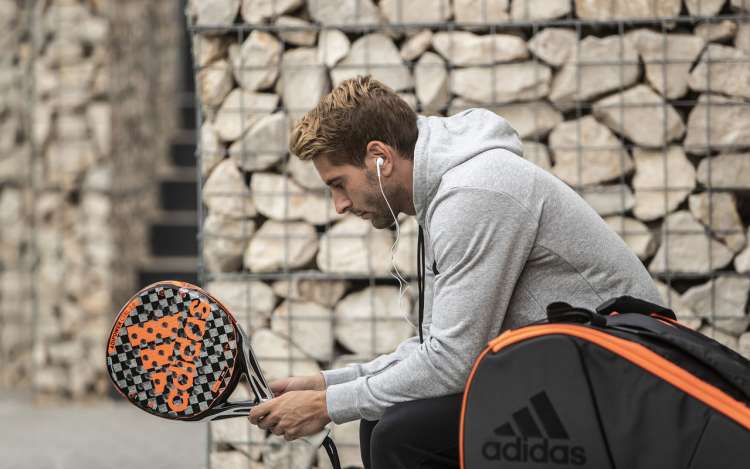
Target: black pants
419, 434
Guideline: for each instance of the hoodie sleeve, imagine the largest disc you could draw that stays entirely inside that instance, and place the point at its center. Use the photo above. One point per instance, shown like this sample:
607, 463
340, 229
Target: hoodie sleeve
355, 370
481, 240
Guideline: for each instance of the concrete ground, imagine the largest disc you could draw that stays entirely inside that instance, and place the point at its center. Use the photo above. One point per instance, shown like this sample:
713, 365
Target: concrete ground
100, 435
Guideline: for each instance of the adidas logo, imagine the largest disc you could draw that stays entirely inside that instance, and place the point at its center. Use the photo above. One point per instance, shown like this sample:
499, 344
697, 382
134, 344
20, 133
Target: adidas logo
524, 440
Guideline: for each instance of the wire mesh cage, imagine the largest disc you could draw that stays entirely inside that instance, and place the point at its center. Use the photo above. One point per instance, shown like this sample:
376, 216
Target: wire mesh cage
642, 107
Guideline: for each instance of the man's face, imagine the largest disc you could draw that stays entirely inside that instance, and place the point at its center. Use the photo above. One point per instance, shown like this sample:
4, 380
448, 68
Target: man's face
355, 190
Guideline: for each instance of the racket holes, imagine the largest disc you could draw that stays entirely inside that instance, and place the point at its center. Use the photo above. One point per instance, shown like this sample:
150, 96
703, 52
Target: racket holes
164, 324
174, 330
133, 336
161, 352
158, 335
153, 364
150, 330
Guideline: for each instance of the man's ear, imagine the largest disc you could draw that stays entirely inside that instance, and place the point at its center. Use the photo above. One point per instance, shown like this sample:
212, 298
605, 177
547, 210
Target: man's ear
377, 149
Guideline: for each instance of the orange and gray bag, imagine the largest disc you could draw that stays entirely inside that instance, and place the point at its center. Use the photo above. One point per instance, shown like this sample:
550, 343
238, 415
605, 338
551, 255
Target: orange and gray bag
625, 386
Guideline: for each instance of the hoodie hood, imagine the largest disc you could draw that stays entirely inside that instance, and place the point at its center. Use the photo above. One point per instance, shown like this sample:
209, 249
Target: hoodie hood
446, 142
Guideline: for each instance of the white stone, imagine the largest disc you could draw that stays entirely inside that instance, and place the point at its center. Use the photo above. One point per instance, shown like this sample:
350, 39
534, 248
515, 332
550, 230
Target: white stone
305, 174
71, 126
215, 12
235, 459
224, 242
264, 144
333, 45
278, 358
480, 11
353, 246
463, 48
717, 121
663, 179
376, 55
635, 234
256, 62
414, 46
212, 151
667, 58
718, 211
553, 45
225, 192
721, 301
537, 153
280, 198
711, 31
741, 5
720, 336
591, 145
251, 302
728, 171
640, 115
576, 82
743, 346
722, 69
685, 248
504, 83
416, 11
240, 110
431, 83
307, 325
278, 246
99, 115
322, 292
344, 12
742, 261
742, 40
206, 49
406, 250
304, 80
624, 9
369, 323
533, 119
409, 99
704, 7
257, 11
539, 9
63, 51
67, 161
215, 81
673, 300
296, 31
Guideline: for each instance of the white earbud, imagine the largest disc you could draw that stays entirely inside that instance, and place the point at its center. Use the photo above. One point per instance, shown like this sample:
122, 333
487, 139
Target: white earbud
403, 285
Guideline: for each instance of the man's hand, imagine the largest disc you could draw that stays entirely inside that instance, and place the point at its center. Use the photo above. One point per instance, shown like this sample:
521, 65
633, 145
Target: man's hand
294, 414
298, 383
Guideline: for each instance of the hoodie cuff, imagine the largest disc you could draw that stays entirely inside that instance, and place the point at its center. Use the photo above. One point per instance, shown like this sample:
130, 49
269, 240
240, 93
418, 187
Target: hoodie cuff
341, 402
340, 375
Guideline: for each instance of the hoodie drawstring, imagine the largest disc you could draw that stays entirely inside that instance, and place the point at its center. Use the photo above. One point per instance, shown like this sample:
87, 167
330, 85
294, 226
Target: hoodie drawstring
420, 279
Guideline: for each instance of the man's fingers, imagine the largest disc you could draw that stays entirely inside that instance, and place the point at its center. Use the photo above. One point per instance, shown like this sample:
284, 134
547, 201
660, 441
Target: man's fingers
258, 412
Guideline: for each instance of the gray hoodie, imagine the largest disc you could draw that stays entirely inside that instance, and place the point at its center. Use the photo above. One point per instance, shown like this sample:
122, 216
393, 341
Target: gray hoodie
507, 238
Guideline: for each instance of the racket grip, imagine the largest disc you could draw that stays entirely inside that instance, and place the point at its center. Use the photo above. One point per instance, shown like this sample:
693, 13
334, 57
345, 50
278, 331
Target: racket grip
323, 439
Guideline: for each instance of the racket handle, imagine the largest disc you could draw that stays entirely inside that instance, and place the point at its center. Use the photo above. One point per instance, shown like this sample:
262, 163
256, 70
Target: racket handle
333, 455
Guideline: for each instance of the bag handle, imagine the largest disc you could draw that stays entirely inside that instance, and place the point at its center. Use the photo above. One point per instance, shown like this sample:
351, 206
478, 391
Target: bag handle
630, 304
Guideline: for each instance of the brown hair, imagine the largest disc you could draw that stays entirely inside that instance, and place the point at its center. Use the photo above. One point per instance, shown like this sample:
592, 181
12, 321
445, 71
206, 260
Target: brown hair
356, 112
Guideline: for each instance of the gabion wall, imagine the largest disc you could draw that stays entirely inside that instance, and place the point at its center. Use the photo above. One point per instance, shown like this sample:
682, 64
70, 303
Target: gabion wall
86, 108
642, 107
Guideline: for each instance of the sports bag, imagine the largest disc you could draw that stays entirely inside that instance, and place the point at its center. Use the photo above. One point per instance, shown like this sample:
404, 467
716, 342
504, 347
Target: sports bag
623, 387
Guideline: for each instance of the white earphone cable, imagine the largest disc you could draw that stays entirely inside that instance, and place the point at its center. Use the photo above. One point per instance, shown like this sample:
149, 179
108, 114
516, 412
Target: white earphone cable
403, 285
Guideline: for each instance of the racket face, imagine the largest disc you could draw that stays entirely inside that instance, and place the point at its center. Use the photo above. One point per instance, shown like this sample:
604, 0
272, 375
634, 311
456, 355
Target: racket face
173, 350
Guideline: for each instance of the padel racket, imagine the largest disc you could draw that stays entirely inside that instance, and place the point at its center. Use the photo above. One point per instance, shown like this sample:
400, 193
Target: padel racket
176, 351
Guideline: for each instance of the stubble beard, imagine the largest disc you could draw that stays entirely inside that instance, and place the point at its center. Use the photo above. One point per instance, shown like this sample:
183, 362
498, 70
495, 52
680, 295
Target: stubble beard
381, 214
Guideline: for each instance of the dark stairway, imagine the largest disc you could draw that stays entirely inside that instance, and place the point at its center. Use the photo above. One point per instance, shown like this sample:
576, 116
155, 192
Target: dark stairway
173, 242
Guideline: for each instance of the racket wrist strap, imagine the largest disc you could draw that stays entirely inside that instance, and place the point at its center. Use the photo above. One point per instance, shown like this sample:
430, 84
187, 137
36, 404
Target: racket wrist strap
333, 455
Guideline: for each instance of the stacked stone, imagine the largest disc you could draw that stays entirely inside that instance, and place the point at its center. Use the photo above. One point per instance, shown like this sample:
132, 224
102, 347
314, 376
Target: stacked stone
15, 198
73, 184
648, 120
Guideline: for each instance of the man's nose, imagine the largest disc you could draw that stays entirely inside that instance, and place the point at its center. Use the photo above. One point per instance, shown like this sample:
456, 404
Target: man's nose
341, 203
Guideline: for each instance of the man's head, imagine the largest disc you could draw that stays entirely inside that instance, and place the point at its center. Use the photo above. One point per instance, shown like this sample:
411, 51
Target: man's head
358, 122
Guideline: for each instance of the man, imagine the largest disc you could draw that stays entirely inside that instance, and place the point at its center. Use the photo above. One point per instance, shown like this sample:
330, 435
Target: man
502, 239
